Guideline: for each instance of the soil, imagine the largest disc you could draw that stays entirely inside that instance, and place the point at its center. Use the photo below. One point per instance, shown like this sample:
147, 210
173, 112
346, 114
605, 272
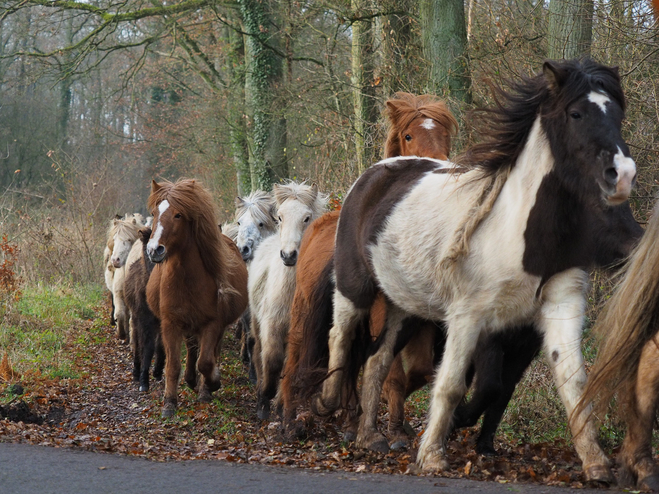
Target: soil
104, 411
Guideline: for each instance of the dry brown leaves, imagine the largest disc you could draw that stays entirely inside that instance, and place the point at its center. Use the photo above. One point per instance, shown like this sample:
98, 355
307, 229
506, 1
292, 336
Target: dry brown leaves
103, 411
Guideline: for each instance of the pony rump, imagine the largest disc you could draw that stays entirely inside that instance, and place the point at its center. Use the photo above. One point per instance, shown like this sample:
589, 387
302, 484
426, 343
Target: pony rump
628, 321
196, 205
405, 107
306, 194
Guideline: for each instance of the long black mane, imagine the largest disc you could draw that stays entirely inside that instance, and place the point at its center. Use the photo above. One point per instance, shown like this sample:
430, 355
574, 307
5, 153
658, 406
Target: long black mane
506, 127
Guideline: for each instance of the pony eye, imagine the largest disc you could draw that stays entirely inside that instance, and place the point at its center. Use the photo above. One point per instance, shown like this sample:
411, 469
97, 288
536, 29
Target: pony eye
408, 137
575, 115
177, 216
279, 218
306, 220
238, 223
260, 225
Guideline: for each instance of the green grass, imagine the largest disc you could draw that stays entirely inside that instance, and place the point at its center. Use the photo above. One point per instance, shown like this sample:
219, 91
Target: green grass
35, 331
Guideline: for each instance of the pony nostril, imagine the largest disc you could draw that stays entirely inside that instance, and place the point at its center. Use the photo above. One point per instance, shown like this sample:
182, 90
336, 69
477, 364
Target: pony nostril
282, 255
611, 175
245, 249
160, 250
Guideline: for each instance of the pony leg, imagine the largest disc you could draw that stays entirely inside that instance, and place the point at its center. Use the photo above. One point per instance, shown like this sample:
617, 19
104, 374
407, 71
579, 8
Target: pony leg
273, 340
209, 339
192, 346
171, 339
513, 370
375, 372
635, 459
448, 390
561, 321
121, 315
393, 392
159, 364
346, 319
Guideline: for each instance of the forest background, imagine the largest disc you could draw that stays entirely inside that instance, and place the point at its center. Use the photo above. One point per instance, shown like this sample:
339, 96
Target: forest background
99, 97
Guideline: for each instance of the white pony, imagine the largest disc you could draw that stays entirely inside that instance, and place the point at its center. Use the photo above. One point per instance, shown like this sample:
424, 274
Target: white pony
122, 234
255, 221
271, 284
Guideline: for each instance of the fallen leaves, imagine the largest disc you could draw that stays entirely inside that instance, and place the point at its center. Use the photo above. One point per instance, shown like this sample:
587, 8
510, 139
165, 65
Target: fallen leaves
104, 412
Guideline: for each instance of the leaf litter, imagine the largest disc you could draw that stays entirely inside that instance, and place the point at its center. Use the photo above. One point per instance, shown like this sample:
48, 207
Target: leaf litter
103, 411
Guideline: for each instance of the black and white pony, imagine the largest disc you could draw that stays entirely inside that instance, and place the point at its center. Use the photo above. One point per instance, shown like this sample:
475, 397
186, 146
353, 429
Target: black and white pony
498, 241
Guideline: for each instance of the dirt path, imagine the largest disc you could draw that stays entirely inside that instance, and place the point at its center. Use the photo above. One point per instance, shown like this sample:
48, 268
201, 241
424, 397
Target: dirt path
105, 412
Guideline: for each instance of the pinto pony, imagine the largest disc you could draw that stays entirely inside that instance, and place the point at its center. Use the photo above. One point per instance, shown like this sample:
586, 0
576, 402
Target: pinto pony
198, 287
418, 126
272, 284
499, 240
627, 364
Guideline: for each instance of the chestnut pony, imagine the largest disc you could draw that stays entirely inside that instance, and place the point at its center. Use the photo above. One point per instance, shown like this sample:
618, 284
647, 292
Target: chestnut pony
627, 364
418, 126
198, 287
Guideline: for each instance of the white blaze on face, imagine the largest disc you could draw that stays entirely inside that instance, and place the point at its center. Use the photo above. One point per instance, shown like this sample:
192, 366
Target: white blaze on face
428, 124
154, 241
626, 168
600, 99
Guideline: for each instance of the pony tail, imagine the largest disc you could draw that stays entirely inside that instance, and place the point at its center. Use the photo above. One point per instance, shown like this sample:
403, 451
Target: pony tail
629, 320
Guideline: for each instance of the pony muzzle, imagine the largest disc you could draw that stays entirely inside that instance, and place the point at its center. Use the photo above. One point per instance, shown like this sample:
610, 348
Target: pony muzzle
289, 258
620, 178
156, 253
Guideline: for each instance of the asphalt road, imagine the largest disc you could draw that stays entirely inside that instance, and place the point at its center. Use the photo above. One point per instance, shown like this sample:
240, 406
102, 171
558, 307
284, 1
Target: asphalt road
35, 469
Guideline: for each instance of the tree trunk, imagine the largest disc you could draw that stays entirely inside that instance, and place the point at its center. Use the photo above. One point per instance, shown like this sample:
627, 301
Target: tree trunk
236, 110
264, 75
363, 84
570, 28
444, 36
399, 48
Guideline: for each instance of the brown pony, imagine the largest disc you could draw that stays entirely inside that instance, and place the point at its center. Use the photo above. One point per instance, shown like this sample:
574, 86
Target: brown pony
419, 126
627, 364
198, 287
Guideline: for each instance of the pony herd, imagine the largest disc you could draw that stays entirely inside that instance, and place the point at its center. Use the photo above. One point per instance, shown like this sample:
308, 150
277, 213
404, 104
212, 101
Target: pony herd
440, 272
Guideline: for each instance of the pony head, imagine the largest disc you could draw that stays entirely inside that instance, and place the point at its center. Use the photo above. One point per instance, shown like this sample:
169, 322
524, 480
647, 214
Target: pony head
419, 126
124, 234
297, 206
184, 217
256, 221
584, 113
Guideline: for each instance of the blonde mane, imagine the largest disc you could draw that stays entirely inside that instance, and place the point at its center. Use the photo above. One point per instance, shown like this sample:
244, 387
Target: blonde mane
306, 194
260, 205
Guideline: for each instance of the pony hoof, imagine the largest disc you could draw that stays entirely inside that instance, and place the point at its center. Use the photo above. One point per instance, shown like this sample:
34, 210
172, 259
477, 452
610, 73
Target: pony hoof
319, 407
349, 436
144, 388
204, 396
651, 483
486, 450
399, 445
599, 474
435, 463
263, 411
376, 442
168, 411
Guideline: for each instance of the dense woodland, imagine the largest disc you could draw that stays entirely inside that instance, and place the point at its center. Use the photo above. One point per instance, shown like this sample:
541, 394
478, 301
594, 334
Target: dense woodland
98, 97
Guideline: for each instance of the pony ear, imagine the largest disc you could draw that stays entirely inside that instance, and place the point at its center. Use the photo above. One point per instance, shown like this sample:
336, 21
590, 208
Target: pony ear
239, 201
314, 190
155, 187
554, 74
115, 220
117, 216
144, 233
134, 221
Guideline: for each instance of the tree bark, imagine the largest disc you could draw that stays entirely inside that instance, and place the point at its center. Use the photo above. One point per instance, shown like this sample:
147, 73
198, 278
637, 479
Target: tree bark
570, 32
264, 75
363, 84
444, 34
